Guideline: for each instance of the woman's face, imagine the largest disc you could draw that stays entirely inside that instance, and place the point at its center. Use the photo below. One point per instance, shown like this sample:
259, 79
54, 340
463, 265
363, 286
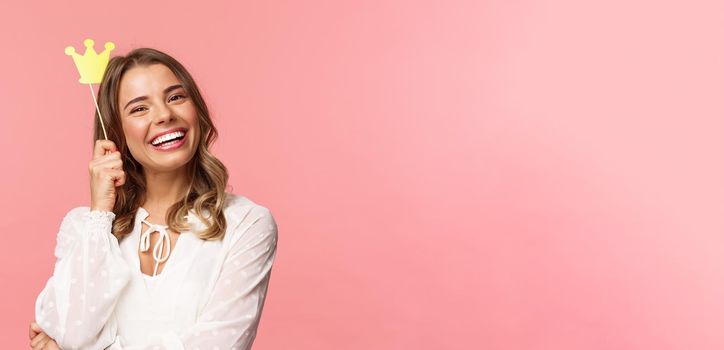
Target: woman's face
153, 102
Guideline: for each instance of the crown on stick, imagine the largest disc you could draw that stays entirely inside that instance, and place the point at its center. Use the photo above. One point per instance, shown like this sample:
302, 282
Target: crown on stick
91, 65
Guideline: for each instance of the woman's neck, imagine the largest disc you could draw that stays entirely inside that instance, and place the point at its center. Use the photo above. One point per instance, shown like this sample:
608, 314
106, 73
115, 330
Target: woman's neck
164, 189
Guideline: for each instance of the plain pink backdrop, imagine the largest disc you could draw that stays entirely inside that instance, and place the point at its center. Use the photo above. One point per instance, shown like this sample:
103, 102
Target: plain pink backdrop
444, 174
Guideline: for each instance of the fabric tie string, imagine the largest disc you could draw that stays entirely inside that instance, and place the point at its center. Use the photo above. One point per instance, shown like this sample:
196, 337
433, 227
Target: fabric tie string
165, 239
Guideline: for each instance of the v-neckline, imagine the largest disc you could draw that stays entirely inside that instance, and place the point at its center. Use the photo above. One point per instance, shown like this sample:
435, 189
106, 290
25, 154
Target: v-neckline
138, 228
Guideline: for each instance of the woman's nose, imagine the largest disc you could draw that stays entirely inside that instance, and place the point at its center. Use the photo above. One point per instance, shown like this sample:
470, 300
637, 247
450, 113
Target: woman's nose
164, 115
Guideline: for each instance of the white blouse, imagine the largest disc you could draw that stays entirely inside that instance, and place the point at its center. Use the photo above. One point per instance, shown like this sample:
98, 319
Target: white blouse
209, 295
150, 281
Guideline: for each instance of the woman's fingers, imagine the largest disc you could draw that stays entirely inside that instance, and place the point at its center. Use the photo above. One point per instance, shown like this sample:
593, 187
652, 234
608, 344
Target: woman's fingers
34, 330
112, 163
41, 346
106, 173
103, 146
51, 345
110, 158
39, 341
117, 176
32, 333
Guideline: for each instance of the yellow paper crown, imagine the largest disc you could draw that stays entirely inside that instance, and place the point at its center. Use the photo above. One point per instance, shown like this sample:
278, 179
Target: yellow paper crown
91, 65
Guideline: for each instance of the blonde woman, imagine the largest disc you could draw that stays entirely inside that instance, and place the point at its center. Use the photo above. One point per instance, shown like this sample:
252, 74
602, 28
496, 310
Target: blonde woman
164, 257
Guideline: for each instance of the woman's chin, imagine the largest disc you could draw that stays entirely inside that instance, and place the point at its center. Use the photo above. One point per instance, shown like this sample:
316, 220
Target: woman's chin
167, 163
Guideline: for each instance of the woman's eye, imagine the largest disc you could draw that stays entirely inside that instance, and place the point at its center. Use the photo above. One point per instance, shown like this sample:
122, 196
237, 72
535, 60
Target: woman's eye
136, 109
180, 96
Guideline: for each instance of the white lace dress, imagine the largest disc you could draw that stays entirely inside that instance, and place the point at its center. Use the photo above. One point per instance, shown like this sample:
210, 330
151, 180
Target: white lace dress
209, 295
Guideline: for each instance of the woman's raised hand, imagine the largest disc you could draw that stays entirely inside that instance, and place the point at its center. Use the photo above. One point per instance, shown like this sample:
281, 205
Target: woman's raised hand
106, 173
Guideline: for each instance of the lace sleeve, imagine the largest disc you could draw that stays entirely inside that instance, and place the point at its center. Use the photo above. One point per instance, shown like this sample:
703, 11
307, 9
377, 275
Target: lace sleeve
76, 306
231, 317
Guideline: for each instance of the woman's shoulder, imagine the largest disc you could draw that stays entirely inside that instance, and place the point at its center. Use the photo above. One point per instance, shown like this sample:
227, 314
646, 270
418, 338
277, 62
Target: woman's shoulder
243, 214
240, 206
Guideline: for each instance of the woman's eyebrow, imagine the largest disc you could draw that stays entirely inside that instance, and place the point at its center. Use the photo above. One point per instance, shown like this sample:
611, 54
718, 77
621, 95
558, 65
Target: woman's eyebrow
141, 98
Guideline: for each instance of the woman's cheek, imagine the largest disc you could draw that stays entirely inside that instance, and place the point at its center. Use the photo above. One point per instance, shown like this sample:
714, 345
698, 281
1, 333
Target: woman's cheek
136, 134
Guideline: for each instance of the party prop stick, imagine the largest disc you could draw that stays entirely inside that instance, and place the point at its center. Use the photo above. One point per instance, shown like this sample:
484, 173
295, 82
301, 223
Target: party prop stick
91, 67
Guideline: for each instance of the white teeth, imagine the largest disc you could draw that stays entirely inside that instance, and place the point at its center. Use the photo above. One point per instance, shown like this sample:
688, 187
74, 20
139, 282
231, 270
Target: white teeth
167, 137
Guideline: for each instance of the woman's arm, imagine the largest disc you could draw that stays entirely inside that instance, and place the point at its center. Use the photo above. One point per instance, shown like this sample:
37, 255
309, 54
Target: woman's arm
231, 317
77, 303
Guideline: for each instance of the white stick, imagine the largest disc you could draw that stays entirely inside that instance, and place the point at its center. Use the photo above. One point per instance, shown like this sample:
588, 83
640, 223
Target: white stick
98, 109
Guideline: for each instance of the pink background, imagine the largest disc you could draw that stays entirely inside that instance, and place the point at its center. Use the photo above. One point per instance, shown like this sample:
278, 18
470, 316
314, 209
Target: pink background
444, 174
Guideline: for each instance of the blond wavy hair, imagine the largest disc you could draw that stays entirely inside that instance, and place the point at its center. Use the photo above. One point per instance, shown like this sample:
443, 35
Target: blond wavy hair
206, 194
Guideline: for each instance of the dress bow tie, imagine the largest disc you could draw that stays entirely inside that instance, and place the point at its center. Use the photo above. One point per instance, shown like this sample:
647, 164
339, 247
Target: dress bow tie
165, 239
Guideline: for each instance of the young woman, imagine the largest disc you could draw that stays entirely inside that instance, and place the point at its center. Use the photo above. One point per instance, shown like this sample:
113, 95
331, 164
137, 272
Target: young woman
163, 258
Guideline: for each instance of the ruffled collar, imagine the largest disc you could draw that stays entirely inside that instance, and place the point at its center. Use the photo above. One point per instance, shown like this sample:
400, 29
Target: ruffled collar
233, 217
195, 223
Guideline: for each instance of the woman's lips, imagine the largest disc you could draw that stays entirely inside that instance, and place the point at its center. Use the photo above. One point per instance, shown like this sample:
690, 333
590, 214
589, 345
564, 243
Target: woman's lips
170, 146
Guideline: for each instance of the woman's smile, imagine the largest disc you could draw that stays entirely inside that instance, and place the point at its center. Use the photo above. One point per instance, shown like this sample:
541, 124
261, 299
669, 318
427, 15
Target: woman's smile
170, 145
